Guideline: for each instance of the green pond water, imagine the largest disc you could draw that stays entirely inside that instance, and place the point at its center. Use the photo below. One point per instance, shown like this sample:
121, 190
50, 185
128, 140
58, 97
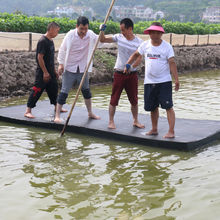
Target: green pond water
45, 177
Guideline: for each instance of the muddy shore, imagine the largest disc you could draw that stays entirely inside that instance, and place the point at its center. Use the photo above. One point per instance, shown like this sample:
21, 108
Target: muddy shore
17, 69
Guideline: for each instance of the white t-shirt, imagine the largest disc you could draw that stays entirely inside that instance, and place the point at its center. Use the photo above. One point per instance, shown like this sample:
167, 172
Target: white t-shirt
125, 49
157, 68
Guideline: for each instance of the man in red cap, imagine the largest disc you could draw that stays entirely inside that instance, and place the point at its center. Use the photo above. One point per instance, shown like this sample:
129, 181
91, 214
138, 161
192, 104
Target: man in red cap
159, 63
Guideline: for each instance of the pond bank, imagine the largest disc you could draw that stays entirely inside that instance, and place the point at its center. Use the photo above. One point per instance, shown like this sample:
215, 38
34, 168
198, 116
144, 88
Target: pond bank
17, 68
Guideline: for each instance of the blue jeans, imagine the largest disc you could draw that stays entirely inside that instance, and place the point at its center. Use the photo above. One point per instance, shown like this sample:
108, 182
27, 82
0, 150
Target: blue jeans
68, 80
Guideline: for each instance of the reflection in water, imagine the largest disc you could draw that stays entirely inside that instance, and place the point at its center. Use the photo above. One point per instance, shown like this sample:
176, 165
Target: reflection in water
90, 180
76, 177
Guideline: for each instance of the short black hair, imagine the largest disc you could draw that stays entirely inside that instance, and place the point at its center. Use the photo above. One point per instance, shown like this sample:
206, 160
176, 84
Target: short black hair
52, 25
82, 20
127, 22
156, 24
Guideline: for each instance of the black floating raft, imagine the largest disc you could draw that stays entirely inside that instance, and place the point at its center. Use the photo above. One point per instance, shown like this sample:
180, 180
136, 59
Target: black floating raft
190, 134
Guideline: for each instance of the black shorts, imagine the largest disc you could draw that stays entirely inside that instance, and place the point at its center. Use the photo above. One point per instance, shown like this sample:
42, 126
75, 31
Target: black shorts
158, 94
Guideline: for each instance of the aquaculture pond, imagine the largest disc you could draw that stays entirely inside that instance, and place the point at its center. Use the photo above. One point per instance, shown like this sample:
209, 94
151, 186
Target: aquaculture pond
43, 176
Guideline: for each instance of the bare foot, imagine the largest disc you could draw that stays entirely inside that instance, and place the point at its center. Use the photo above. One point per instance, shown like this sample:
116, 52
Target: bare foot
93, 116
57, 120
152, 132
63, 110
169, 135
138, 125
28, 115
111, 125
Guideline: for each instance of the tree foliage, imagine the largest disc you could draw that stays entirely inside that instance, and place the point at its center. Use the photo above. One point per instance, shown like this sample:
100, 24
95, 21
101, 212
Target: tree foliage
22, 23
190, 10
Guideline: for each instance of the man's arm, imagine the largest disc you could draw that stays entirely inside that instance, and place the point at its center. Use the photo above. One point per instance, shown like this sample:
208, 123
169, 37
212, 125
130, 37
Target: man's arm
46, 76
104, 39
134, 60
62, 53
56, 73
173, 70
60, 69
137, 60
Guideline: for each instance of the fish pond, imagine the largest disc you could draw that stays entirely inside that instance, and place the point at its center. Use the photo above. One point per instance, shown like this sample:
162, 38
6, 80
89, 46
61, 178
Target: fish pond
79, 177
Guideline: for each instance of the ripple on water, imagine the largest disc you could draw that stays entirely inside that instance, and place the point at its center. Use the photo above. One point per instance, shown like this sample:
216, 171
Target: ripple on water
79, 177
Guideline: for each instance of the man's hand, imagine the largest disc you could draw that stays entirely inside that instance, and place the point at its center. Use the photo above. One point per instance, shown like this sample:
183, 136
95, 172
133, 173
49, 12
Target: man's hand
127, 68
177, 85
46, 77
60, 69
57, 75
102, 27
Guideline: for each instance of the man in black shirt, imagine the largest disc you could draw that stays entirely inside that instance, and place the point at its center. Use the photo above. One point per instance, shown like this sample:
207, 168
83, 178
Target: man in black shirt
46, 75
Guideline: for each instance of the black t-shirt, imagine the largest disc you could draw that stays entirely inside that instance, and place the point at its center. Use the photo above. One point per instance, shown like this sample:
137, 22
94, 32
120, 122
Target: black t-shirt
46, 47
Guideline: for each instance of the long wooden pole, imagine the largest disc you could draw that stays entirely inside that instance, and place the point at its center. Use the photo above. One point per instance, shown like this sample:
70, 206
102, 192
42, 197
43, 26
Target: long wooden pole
86, 70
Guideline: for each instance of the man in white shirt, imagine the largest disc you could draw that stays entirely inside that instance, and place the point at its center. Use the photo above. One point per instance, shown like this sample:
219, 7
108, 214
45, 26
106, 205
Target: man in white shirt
74, 54
159, 62
127, 44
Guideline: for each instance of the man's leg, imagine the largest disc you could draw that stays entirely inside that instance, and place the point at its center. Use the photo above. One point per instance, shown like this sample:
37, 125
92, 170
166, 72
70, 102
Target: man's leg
171, 122
167, 103
87, 95
60, 102
151, 103
134, 110
88, 103
68, 79
28, 113
117, 88
111, 123
57, 113
131, 88
35, 94
52, 91
154, 121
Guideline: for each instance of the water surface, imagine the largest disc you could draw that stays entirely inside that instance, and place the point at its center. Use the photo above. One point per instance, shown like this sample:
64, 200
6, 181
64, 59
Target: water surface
43, 176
